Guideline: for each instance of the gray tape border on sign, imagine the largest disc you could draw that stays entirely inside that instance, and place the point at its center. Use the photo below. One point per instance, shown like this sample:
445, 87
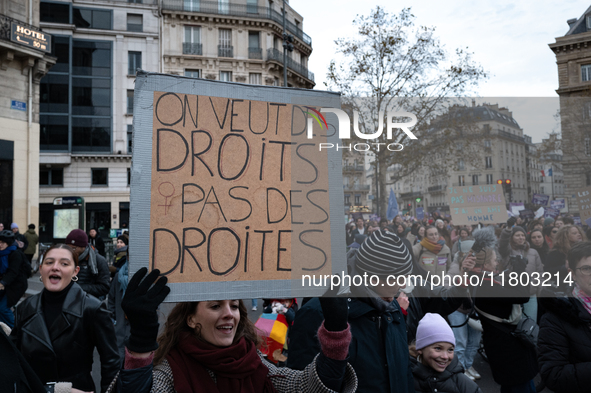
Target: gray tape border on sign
145, 86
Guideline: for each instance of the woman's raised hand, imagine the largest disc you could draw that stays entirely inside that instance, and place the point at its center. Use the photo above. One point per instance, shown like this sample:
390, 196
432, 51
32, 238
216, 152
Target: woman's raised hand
140, 305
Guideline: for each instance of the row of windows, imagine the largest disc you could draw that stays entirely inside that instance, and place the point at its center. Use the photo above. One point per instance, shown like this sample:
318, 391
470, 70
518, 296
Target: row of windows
76, 97
488, 163
86, 17
475, 182
98, 177
348, 200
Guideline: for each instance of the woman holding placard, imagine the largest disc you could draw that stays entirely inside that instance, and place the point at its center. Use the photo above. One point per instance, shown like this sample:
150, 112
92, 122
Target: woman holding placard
211, 346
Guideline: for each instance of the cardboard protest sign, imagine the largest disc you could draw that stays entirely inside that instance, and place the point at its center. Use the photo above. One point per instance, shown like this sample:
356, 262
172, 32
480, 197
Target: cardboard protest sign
230, 199
477, 204
583, 198
540, 199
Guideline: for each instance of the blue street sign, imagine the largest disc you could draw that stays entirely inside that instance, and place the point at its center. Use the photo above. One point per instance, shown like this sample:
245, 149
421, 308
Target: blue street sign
18, 105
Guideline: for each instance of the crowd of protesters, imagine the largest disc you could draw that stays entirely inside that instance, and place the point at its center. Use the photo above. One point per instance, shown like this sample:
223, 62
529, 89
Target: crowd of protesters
385, 338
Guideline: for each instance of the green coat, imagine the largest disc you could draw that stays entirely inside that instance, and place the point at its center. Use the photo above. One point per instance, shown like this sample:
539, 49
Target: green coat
33, 240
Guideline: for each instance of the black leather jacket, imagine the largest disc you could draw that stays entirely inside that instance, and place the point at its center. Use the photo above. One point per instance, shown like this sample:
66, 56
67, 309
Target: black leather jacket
64, 352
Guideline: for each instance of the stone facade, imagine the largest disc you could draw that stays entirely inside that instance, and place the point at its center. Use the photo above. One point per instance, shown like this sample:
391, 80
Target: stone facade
573, 59
21, 68
234, 41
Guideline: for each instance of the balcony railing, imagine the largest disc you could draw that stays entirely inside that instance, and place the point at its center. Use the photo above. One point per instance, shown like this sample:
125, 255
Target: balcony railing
190, 48
242, 10
411, 194
508, 135
353, 168
277, 55
355, 187
436, 188
255, 53
225, 51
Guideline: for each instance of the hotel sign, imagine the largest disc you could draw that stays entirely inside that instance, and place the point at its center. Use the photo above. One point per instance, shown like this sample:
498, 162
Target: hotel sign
27, 36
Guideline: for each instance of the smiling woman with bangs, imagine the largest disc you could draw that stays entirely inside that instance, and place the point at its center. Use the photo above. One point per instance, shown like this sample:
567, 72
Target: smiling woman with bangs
58, 329
212, 346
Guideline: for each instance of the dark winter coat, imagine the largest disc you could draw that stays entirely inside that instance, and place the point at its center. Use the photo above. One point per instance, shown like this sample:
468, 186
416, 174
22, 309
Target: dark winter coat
378, 351
542, 252
122, 327
97, 285
510, 361
564, 345
64, 352
451, 380
16, 376
98, 243
15, 277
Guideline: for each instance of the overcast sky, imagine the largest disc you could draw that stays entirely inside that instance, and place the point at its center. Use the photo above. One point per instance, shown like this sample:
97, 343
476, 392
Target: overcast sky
509, 39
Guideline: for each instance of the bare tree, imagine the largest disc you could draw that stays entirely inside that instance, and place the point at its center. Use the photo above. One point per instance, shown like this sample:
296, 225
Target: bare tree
391, 64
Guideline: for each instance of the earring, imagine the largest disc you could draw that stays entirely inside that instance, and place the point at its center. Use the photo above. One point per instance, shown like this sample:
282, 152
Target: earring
419, 358
75, 278
40, 278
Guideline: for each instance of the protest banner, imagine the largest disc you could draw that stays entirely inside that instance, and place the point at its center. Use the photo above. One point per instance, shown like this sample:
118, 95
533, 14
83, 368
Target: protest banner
526, 214
229, 198
540, 199
583, 198
516, 207
552, 213
539, 213
558, 204
477, 204
420, 213
577, 220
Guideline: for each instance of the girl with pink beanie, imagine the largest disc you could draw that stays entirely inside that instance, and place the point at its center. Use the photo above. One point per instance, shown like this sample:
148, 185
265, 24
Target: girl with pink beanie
434, 366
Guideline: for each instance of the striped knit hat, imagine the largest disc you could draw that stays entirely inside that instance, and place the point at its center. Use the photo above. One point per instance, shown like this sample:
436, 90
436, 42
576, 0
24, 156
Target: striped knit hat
382, 254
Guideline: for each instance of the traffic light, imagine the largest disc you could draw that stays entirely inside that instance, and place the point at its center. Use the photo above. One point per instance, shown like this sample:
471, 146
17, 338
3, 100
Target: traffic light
508, 189
288, 41
499, 182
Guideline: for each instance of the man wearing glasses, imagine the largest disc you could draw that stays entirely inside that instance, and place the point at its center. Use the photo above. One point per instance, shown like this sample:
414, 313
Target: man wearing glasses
564, 341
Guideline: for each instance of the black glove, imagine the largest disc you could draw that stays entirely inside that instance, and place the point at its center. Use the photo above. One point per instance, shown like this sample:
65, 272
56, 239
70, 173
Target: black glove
335, 310
519, 263
510, 222
140, 304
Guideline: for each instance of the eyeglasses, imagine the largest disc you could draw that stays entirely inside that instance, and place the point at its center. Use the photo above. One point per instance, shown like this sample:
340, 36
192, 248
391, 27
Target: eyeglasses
586, 270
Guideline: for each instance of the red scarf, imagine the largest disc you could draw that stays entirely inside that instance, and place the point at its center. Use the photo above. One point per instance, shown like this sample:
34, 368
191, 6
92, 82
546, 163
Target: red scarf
238, 368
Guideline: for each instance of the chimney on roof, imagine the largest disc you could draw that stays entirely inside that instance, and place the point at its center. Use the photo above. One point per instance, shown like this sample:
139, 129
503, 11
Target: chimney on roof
571, 22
